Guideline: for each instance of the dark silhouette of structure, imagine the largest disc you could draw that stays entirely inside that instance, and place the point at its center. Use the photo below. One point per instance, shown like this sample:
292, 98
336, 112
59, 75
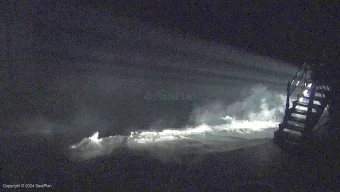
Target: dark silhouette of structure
320, 94
305, 153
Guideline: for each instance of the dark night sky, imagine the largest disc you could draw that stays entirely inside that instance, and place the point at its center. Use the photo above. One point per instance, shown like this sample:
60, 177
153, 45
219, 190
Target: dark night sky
290, 31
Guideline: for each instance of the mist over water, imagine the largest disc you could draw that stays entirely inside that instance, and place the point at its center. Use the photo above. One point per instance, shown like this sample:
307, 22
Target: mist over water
217, 128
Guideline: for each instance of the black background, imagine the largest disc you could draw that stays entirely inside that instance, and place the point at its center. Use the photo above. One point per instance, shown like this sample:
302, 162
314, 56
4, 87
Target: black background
289, 31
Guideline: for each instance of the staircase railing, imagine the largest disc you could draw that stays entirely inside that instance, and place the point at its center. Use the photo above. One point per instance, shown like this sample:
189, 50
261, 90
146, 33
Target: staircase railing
298, 76
291, 85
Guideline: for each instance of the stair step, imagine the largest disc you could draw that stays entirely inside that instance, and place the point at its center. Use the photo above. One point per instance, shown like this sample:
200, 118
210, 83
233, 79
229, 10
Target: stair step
300, 104
295, 127
297, 119
315, 102
317, 107
317, 98
298, 111
291, 137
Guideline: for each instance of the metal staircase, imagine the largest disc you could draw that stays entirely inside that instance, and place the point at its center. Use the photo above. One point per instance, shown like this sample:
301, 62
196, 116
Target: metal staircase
308, 142
300, 119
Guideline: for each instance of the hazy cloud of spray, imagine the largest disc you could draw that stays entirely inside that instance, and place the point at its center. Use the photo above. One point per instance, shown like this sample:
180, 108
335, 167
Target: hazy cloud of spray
219, 127
259, 104
99, 70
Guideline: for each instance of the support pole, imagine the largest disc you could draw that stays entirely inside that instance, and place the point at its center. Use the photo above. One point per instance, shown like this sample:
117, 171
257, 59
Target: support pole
287, 103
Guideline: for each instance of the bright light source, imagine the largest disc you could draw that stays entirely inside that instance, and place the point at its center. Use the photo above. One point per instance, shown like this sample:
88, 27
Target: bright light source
94, 138
309, 85
305, 92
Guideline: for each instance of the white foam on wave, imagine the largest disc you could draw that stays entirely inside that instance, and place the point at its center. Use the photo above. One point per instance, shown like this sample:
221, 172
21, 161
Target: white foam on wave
213, 134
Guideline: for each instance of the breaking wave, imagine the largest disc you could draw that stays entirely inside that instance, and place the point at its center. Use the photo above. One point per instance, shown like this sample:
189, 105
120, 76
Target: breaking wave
219, 128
